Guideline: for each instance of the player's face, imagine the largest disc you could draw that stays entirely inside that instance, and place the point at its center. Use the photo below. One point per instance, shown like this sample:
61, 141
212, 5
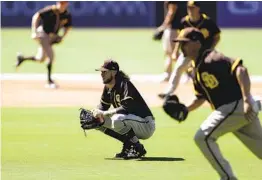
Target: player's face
190, 49
193, 11
107, 76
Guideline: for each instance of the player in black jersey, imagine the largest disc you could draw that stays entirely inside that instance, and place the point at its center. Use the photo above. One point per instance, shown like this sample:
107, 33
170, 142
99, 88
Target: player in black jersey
223, 82
210, 31
46, 24
130, 119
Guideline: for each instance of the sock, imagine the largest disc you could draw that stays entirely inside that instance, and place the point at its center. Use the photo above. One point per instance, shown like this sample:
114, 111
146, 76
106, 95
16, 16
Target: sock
32, 58
129, 136
49, 71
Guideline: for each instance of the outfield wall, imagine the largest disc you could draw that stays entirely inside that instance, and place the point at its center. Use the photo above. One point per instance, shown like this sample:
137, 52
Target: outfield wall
247, 14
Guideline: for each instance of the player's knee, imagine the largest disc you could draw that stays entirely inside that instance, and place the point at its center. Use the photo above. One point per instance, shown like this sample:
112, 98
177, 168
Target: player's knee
199, 137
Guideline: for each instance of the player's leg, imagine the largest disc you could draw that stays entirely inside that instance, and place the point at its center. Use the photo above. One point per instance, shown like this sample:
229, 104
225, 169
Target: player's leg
181, 66
227, 118
168, 46
251, 137
132, 128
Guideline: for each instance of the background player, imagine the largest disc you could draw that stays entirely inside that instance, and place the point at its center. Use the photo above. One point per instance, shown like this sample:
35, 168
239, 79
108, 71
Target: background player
131, 119
225, 84
173, 15
52, 18
210, 31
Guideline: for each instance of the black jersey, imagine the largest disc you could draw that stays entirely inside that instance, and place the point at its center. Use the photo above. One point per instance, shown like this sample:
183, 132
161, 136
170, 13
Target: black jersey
125, 98
52, 20
206, 25
215, 78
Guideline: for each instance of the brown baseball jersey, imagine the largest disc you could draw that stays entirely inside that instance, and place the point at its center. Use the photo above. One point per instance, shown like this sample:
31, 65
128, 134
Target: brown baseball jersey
52, 20
206, 25
215, 78
125, 98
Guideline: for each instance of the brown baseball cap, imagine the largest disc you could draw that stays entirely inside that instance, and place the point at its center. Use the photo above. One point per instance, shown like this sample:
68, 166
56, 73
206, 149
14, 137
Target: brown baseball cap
190, 34
193, 4
108, 65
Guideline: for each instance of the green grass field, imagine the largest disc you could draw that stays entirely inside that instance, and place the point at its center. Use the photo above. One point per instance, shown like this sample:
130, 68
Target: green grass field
47, 143
85, 49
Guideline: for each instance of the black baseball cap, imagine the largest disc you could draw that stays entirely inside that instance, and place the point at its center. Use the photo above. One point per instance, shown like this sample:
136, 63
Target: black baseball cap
193, 4
109, 65
190, 34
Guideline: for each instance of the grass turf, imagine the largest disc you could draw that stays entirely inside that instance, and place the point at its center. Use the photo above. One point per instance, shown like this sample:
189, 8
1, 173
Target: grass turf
47, 143
85, 49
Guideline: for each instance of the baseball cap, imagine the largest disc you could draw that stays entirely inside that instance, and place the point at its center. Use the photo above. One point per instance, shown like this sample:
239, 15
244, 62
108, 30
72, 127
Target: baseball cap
190, 34
193, 4
109, 65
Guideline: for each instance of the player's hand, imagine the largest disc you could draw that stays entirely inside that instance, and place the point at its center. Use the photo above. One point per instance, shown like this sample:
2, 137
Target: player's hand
249, 112
34, 35
162, 95
174, 56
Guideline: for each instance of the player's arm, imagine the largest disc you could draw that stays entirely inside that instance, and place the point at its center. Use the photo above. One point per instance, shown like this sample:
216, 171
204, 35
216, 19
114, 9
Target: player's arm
35, 23
104, 101
127, 101
215, 32
197, 101
171, 11
67, 26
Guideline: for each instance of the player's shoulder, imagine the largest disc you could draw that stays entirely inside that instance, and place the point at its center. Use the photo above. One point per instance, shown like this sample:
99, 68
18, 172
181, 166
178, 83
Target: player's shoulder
47, 8
216, 56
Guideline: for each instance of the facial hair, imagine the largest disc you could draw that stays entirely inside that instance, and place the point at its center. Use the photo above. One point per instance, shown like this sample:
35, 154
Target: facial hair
107, 81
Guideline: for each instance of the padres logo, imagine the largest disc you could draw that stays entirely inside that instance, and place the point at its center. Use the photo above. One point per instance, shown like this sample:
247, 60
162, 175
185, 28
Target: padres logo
205, 32
210, 80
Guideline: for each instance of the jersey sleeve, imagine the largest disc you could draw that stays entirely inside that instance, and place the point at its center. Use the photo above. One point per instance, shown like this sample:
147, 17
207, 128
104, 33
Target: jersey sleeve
213, 28
127, 98
197, 92
230, 63
69, 22
105, 102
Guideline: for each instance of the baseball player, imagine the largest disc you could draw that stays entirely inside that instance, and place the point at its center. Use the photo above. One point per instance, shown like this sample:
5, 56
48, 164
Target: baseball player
173, 15
210, 31
130, 119
46, 24
223, 82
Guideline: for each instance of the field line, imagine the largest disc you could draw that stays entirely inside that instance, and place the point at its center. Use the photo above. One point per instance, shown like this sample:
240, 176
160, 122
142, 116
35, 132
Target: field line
91, 77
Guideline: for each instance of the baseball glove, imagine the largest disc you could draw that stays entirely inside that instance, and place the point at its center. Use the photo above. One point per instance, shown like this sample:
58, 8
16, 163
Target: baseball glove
56, 40
175, 109
87, 120
157, 36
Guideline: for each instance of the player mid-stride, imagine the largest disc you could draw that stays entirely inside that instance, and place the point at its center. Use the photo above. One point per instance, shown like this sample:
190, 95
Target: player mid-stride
46, 24
130, 119
223, 82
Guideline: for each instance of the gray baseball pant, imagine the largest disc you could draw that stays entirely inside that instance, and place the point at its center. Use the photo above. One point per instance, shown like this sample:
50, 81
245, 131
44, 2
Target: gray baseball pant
225, 119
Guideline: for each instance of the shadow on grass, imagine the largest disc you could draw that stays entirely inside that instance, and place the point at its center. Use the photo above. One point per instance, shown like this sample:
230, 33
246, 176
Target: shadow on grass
151, 159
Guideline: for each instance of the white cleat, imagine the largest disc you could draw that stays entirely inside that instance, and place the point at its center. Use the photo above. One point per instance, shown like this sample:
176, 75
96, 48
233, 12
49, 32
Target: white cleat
51, 86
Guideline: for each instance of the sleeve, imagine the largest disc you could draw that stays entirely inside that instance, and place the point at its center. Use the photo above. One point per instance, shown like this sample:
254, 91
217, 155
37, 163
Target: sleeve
127, 99
104, 101
197, 92
69, 22
213, 28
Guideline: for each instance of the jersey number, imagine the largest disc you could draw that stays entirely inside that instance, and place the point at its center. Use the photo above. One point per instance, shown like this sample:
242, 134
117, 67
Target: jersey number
210, 80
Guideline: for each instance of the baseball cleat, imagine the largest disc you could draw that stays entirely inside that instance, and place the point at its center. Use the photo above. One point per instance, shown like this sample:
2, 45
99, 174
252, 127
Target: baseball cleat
136, 151
19, 60
51, 85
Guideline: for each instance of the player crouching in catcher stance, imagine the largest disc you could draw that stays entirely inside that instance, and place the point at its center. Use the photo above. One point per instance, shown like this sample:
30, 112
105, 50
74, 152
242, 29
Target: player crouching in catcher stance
129, 121
52, 18
225, 84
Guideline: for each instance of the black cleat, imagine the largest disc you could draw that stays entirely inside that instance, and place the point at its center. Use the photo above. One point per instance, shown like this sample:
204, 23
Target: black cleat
20, 60
124, 150
136, 151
